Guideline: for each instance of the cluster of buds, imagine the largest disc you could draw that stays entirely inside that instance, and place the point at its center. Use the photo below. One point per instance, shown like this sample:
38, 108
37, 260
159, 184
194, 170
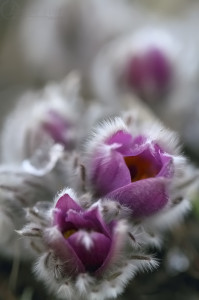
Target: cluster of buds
118, 192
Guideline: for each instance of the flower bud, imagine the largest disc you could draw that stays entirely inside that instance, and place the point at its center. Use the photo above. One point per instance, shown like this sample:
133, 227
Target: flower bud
83, 255
139, 169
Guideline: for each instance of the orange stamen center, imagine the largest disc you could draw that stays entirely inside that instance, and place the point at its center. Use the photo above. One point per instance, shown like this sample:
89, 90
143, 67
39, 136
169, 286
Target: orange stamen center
140, 168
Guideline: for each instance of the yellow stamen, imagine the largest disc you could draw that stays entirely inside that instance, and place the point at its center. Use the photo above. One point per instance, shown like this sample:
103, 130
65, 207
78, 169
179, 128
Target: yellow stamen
68, 233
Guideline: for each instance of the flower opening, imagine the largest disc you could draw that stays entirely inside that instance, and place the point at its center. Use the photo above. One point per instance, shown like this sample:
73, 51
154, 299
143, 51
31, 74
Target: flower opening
135, 171
140, 167
84, 233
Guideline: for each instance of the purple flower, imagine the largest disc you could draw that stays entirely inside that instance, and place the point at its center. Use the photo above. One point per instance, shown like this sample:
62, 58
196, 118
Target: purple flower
43, 118
80, 255
133, 170
149, 73
86, 242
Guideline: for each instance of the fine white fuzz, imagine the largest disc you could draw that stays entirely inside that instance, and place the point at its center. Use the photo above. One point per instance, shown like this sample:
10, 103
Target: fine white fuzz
85, 239
18, 190
87, 286
168, 218
52, 234
153, 129
103, 131
143, 262
83, 282
43, 269
112, 210
66, 291
141, 238
7, 228
39, 213
31, 230
66, 191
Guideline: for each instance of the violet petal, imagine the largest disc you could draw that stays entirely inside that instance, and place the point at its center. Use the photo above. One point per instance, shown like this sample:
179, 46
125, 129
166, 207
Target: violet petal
117, 243
143, 197
92, 257
71, 262
109, 172
167, 169
122, 138
63, 205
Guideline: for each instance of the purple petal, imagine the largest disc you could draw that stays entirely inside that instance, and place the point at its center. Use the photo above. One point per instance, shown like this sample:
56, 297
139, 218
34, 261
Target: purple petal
63, 205
92, 257
158, 67
71, 262
109, 172
117, 243
75, 220
139, 141
124, 139
143, 197
151, 69
88, 220
100, 225
135, 73
128, 145
167, 169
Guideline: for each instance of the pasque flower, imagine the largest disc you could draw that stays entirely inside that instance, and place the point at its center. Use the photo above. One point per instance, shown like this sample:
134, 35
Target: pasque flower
150, 62
149, 73
85, 240
83, 255
43, 118
138, 170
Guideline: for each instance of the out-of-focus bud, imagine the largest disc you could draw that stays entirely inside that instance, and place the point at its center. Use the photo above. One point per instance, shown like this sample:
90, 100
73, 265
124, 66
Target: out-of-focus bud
152, 63
149, 74
41, 119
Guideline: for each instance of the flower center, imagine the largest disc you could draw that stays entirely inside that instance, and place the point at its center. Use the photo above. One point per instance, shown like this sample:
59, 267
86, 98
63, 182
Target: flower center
140, 168
68, 233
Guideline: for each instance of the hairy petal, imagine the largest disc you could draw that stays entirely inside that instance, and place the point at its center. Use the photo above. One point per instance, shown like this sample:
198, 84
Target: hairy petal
123, 139
71, 262
109, 172
143, 197
63, 205
91, 248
